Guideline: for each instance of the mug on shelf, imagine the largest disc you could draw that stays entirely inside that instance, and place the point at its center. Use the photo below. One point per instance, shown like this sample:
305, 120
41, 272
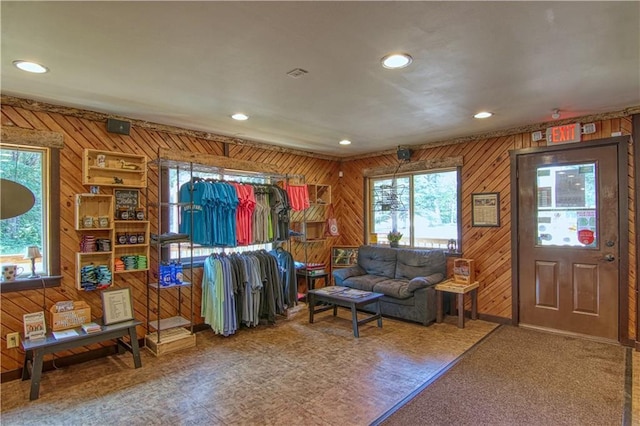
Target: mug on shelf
87, 222
103, 221
10, 272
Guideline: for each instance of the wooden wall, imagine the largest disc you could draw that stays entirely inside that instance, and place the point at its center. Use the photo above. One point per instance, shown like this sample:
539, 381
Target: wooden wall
486, 168
80, 133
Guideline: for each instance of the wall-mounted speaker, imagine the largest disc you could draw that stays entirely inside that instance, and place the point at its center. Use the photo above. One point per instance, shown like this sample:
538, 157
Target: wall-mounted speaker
404, 154
118, 126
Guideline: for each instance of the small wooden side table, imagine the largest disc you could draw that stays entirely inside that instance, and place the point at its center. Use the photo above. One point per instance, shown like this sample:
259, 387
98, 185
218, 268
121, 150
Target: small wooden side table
460, 289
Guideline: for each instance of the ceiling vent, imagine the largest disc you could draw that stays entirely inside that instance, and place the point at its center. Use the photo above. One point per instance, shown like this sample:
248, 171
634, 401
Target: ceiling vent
297, 72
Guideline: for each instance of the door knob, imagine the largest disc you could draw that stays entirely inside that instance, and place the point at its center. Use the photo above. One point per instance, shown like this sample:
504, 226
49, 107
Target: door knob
609, 257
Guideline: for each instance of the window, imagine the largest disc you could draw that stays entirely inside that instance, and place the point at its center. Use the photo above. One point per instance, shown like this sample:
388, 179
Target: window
423, 206
37, 169
567, 205
178, 177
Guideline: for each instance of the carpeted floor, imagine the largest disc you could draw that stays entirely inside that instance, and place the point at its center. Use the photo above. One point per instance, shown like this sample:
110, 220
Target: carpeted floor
517, 376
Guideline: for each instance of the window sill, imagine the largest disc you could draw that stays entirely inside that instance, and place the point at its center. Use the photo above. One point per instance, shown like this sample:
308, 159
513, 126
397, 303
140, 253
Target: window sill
23, 284
452, 253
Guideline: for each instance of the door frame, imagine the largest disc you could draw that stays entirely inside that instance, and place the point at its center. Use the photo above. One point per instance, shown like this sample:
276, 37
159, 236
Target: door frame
621, 143
635, 132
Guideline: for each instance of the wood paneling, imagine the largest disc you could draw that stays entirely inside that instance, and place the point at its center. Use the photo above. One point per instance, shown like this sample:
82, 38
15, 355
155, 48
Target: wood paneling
88, 130
486, 169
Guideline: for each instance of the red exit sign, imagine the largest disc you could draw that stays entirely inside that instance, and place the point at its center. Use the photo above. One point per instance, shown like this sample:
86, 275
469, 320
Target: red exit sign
564, 134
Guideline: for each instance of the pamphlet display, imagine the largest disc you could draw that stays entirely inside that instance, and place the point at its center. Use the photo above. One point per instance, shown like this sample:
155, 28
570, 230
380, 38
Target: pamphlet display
34, 326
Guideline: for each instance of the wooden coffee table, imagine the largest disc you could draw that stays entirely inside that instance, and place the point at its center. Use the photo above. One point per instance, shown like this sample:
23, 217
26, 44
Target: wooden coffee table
333, 297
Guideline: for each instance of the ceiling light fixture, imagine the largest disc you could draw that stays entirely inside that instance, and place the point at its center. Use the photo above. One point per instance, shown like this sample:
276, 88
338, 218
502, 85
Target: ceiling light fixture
396, 60
483, 114
30, 67
345, 142
556, 114
240, 116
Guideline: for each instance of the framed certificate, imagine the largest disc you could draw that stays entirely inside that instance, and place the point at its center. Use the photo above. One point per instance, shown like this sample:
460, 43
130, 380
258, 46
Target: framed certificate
485, 209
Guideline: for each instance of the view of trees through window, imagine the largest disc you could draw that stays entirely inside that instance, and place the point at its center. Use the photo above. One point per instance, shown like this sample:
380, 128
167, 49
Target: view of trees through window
25, 166
424, 207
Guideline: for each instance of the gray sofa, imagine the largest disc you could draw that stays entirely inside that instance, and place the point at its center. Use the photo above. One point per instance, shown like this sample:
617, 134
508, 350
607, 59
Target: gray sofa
406, 278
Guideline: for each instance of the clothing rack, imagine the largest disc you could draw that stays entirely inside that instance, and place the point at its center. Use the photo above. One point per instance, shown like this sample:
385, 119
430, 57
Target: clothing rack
209, 164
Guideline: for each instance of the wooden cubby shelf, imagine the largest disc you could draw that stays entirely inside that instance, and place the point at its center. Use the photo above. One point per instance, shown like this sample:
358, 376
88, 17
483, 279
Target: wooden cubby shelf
106, 168
311, 223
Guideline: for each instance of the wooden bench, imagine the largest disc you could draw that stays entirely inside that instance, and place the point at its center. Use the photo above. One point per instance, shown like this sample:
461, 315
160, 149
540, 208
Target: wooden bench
35, 350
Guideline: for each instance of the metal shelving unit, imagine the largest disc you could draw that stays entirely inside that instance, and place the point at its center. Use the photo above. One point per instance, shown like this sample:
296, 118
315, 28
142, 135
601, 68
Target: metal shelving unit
180, 318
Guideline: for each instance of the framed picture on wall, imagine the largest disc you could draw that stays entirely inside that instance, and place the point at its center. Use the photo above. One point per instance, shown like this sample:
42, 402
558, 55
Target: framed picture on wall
485, 209
343, 256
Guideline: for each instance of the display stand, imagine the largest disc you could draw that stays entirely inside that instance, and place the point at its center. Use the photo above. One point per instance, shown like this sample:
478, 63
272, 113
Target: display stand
169, 333
171, 330
94, 222
97, 219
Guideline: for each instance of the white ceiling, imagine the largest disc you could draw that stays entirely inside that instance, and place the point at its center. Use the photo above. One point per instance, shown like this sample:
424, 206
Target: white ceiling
192, 64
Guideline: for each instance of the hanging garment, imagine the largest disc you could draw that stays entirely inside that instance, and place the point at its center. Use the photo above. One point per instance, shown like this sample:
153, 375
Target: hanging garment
244, 214
191, 211
261, 217
286, 268
280, 208
242, 289
218, 298
298, 196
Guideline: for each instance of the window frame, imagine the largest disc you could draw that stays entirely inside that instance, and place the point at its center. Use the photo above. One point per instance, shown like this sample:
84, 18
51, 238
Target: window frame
368, 184
52, 189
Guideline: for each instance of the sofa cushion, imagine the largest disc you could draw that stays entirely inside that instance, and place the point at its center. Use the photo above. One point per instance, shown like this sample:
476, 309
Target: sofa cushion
394, 288
363, 282
421, 282
400, 303
342, 274
419, 263
379, 261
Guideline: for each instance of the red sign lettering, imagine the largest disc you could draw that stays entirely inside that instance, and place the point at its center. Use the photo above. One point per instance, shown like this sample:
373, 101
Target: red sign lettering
564, 134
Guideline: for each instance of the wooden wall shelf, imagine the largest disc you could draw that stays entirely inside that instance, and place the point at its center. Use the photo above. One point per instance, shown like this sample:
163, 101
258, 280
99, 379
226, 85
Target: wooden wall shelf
90, 211
106, 168
311, 223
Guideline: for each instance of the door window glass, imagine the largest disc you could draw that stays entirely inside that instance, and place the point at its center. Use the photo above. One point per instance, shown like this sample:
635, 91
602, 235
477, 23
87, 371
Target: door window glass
566, 205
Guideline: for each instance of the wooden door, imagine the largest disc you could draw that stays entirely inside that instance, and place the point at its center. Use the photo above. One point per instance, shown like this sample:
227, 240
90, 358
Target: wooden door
568, 241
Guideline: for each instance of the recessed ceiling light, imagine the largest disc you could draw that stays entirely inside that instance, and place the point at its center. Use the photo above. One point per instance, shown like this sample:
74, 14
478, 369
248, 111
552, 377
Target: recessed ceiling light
483, 114
240, 116
345, 142
396, 60
30, 67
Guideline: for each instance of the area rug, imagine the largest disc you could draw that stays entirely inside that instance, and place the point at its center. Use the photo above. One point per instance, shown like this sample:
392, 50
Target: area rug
517, 376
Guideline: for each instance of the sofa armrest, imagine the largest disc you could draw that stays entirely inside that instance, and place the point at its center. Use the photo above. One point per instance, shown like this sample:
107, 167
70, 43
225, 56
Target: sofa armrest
342, 274
423, 282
